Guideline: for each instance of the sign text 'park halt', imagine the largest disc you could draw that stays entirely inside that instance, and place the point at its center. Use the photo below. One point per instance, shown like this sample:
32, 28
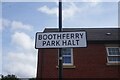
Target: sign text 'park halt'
60, 39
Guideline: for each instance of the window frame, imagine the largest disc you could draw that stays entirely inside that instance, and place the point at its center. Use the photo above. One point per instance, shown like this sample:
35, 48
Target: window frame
108, 55
67, 64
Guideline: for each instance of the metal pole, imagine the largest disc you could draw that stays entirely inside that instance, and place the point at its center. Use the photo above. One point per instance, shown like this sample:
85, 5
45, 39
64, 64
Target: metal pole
60, 15
60, 49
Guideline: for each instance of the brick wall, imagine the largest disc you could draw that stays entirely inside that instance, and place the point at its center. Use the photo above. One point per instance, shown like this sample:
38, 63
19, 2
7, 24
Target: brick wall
90, 62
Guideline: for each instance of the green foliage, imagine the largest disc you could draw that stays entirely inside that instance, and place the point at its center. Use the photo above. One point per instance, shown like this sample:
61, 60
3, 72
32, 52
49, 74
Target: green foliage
12, 77
9, 77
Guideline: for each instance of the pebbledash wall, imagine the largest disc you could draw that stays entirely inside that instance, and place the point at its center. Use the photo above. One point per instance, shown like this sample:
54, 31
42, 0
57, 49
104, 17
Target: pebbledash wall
100, 59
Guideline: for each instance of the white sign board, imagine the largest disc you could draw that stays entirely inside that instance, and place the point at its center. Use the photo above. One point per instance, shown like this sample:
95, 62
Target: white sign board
60, 39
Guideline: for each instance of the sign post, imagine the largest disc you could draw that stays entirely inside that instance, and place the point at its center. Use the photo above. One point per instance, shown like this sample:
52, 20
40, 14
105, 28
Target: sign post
60, 40
60, 49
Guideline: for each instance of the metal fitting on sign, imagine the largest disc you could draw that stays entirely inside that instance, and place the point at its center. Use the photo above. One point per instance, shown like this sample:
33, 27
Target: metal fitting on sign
60, 58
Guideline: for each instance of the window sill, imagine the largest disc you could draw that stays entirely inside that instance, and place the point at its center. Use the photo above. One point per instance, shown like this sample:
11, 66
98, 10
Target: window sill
112, 64
67, 66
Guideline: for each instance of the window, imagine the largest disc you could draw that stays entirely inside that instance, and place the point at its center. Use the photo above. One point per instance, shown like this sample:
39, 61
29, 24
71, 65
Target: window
113, 54
67, 56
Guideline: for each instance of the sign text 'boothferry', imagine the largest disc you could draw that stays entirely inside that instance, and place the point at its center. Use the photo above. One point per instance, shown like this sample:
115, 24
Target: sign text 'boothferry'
60, 39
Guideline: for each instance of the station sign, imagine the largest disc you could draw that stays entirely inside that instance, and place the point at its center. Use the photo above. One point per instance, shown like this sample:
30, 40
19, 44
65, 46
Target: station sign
60, 39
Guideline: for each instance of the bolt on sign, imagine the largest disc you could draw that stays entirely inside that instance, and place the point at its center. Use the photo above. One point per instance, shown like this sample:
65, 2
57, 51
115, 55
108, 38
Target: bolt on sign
60, 39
